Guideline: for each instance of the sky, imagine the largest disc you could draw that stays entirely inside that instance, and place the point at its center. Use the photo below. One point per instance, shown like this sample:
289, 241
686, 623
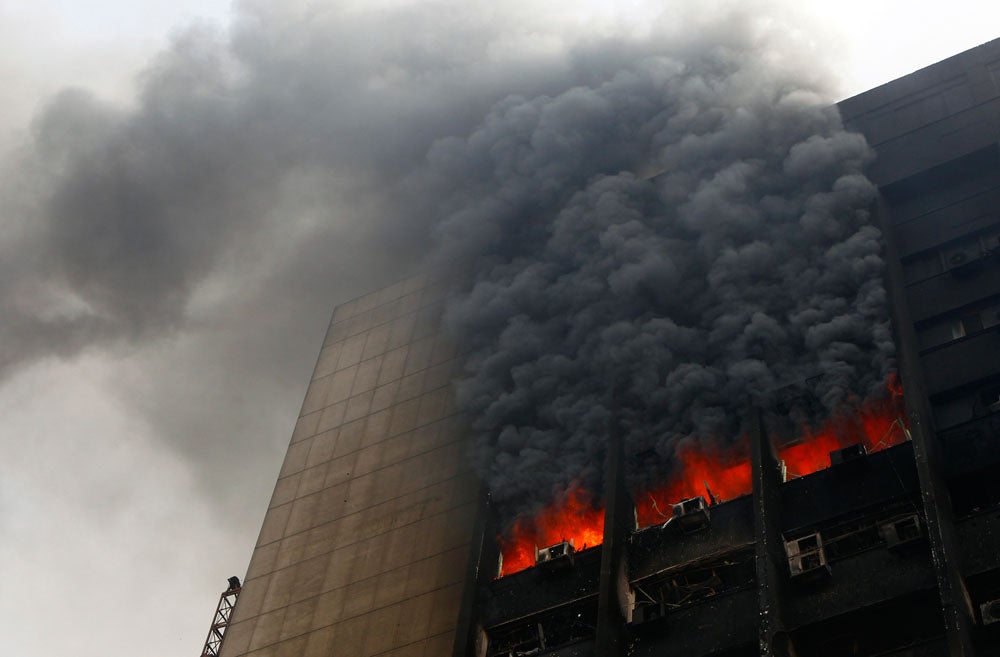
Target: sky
186, 191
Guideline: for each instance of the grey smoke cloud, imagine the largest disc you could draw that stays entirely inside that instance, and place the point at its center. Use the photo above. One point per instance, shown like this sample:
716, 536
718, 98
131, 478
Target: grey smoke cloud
742, 263
295, 159
746, 263
259, 177
298, 124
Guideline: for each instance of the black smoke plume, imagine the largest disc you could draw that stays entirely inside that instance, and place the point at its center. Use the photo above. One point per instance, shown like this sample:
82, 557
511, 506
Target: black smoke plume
681, 238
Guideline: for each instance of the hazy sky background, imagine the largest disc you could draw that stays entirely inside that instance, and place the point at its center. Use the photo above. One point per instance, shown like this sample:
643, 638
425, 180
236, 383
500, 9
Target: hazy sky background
137, 455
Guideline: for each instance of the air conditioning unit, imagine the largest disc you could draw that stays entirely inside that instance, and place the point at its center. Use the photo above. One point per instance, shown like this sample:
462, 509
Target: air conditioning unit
961, 254
901, 532
990, 241
691, 514
807, 557
847, 454
990, 316
560, 554
990, 611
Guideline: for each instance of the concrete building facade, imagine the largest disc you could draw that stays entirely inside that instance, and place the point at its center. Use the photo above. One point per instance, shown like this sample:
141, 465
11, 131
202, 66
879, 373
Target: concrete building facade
363, 548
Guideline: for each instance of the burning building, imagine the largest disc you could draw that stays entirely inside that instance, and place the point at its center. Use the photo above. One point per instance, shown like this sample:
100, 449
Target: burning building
873, 534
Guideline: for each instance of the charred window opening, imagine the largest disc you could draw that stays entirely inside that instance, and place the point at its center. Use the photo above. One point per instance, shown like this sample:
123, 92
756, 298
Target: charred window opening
677, 588
963, 256
969, 413
895, 527
984, 591
976, 492
945, 184
909, 625
553, 629
900, 532
982, 316
989, 397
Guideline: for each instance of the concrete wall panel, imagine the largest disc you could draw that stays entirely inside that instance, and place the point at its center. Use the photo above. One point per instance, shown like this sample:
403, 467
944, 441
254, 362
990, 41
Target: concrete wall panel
363, 549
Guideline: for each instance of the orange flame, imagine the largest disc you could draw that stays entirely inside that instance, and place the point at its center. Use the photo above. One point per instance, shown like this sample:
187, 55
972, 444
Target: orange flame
880, 423
576, 516
727, 475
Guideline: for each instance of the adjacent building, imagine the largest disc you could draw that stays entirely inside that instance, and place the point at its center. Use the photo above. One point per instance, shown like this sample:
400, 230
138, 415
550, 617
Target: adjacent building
363, 547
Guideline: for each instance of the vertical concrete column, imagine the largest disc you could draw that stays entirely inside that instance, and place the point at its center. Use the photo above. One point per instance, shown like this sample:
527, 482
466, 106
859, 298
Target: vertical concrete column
484, 555
945, 552
619, 521
770, 557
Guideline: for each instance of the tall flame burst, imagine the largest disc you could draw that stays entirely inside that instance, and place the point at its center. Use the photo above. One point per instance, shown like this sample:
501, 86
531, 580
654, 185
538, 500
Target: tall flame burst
575, 516
880, 423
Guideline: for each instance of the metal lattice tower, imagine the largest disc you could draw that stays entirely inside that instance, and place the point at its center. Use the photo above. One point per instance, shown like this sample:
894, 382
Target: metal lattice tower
217, 632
